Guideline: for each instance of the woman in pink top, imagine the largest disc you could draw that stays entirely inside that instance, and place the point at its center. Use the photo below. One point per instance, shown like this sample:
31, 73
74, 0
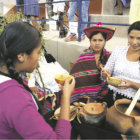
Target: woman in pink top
20, 46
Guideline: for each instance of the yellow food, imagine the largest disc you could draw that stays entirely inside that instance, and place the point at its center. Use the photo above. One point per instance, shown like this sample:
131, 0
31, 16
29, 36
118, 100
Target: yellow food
60, 79
114, 81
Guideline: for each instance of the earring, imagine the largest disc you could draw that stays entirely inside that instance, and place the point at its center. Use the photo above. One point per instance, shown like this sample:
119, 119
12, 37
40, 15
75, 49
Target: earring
21, 60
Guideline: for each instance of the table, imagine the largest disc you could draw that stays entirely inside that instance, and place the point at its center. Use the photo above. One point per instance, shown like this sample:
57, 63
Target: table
92, 131
87, 131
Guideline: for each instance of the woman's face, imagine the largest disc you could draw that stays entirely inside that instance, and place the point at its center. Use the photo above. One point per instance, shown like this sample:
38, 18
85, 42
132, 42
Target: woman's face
33, 58
97, 42
30, 61
134, 40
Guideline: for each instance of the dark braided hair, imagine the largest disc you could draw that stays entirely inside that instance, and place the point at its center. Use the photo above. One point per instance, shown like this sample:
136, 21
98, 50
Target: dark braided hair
49, 58
103, 58
17, 37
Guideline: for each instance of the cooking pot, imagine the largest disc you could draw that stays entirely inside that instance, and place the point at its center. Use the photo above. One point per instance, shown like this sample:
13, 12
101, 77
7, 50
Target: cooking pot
125, 124
93, 113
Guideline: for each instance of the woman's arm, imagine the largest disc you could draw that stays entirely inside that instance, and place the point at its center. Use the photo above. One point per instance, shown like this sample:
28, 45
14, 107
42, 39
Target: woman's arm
135, 85
129, 84
29, 124
109, 67
65, 99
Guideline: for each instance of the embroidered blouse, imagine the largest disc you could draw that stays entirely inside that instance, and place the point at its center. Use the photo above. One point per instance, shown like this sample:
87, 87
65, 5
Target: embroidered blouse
120, 67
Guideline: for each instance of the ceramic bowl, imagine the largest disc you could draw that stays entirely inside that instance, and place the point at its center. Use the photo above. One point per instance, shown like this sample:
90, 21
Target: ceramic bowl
114, 81
60, 79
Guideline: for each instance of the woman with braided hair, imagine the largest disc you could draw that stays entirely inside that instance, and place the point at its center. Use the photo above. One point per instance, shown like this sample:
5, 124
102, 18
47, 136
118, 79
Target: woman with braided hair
20, 45
86, 69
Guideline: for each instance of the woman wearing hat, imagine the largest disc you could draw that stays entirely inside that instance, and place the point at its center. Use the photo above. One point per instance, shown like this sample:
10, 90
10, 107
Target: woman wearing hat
86, 69
124, 63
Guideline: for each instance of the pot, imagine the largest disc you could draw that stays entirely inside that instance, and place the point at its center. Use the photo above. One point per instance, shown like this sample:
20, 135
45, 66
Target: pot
125, 124
93, 113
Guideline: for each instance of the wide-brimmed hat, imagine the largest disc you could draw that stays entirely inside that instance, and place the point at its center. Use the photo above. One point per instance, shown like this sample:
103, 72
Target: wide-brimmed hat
108, 31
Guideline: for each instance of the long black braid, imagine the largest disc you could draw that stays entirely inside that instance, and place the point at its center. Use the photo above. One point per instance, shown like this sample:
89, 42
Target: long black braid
103, 58
15, 75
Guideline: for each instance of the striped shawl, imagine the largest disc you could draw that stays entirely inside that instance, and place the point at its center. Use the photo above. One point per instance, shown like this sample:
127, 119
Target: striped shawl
87, 76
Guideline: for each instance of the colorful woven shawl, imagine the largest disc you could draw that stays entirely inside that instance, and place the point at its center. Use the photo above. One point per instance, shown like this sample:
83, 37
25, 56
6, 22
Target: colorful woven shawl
49, 100
87, 76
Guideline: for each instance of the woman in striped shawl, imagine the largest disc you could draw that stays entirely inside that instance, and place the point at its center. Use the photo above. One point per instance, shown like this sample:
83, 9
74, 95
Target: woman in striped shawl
86, 69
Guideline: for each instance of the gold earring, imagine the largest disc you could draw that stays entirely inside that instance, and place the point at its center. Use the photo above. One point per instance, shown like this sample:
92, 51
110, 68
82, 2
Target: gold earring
21, 60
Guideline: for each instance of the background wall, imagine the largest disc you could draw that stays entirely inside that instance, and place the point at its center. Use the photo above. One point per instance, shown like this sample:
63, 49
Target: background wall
95, 6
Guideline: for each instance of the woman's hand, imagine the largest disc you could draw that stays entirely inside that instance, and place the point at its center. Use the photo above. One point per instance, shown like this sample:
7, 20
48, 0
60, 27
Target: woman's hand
128, 84
65, 99
68, 87
125, 84
105, 73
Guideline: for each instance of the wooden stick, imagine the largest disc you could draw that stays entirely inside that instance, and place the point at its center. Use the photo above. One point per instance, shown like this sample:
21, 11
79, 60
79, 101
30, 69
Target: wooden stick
134, 101
108, 76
